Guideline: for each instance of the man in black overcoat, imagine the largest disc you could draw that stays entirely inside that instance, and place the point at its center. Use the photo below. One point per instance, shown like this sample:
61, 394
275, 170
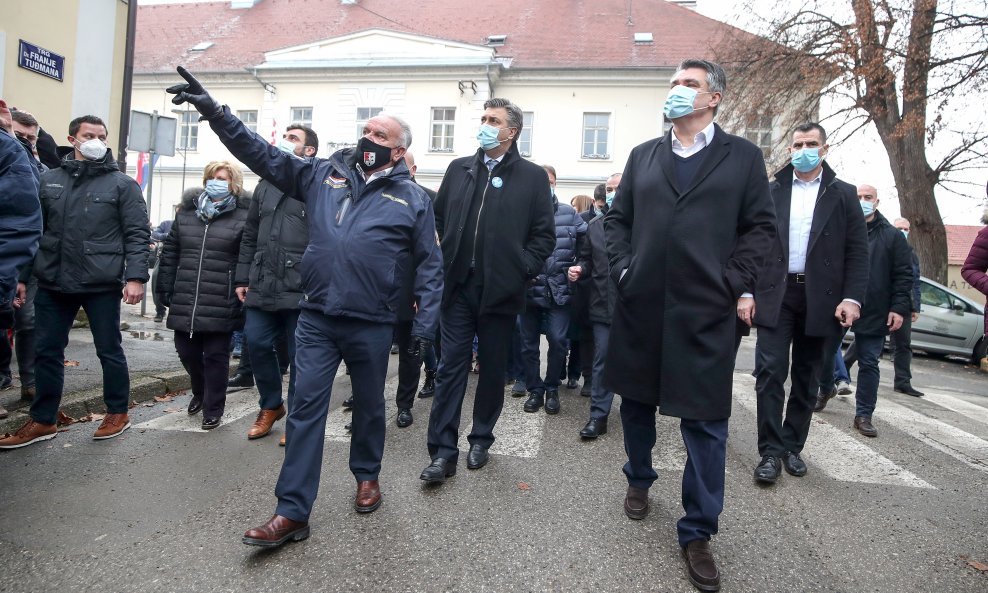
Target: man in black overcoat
813, 282
686, 236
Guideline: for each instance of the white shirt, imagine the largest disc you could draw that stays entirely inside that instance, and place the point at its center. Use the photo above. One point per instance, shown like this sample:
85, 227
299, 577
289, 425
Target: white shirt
804, 194
487, 161
374, 175
700, 141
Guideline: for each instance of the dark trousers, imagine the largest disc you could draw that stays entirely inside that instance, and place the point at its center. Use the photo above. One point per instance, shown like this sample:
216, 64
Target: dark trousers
783, 426
902, 353
321, 343
587, 356
869, 350
263, 331
600, 398
573, 366
54, 313
461, 320
409, 366
828, 364
244, 366
206, 358
516, 366
558, 323
159, 309
703, 475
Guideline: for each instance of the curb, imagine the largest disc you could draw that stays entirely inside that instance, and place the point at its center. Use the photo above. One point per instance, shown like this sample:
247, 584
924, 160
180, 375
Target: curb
143, 388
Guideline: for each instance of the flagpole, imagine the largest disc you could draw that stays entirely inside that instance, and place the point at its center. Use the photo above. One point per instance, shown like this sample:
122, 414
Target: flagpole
154, 126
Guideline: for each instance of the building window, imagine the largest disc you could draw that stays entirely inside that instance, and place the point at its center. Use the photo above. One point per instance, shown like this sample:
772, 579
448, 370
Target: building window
364, 114
249, 118
595, 130
760, 133
188, 133
525, 139
442, 129
301, 116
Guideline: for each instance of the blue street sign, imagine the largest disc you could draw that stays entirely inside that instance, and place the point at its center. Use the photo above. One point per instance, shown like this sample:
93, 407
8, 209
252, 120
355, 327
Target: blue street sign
40, 60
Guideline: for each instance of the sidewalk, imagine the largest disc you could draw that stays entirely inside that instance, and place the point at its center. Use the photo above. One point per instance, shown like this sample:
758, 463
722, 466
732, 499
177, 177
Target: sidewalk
151, 358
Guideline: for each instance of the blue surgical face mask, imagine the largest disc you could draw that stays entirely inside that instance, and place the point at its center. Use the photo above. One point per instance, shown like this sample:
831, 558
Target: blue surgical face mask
286, 145
905, 233
805, 160
867, 208
217, 188
610, 198
679, 102
487, 137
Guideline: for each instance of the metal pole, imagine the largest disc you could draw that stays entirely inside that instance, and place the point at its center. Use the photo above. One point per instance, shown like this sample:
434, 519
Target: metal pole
154, 130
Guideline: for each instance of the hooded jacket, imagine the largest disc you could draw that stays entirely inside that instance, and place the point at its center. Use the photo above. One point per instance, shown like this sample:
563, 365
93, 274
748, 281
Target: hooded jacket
97, 233
197, 268
551, 288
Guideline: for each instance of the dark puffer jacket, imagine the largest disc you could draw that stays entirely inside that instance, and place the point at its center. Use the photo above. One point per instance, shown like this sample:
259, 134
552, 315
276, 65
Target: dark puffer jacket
97, 233
197, 268
551, 288
275, 238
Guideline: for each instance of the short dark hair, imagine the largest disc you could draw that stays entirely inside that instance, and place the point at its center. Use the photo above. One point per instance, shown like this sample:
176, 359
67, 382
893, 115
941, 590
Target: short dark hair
809, 127
550, 170
75, 124
24, 118
600, 192
311, 139
716, 77
515, 116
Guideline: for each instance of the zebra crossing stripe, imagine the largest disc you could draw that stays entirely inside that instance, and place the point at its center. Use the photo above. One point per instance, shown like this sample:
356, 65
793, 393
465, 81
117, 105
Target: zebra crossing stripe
958, 405
961, 445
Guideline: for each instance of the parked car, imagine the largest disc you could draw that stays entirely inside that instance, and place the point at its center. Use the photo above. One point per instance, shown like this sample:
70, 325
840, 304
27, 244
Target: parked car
949, 323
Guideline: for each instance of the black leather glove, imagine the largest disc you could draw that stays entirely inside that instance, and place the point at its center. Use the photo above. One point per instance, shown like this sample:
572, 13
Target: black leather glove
165, 298
418, 346
191, 91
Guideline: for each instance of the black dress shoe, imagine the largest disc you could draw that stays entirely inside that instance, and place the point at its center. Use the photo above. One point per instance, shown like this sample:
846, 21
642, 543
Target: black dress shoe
211, 423
822, 399
700, 565
585, 391
195, 405
429, 388
348, 403
477, 457
908, 390
552, 401
348, 426
438, 471
794, 464
594, 428
404, 418
534, 401
240, 381
572, 384
768, 469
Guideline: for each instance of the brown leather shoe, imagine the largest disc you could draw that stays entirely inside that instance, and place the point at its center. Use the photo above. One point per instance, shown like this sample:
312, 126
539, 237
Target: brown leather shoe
281, 443
700, 565
265, 420
865, 426
368, 496
113, 425
636, 503
275, 532
31, 432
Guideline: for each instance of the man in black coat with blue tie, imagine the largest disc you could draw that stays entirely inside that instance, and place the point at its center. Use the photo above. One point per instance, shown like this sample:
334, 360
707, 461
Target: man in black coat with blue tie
813, 282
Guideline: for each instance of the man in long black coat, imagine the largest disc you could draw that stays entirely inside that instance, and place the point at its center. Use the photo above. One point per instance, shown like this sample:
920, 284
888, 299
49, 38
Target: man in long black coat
685, 238
813, 282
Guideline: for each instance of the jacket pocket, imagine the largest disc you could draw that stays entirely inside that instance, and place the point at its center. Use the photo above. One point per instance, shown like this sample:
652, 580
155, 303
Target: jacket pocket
293, 276
101, 209
48, 259
254, 275
102, 262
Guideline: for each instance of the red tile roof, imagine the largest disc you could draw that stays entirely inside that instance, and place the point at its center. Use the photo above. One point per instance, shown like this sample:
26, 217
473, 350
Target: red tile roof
959, 241
567, 34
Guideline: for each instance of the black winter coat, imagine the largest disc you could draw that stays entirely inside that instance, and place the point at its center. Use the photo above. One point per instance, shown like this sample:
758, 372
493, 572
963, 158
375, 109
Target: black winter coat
197, 267
600, 288
551, 287
97, 234
890, 279
517, 223
275, 237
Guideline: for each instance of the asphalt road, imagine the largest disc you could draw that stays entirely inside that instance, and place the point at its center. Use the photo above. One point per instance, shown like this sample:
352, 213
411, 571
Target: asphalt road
163, 507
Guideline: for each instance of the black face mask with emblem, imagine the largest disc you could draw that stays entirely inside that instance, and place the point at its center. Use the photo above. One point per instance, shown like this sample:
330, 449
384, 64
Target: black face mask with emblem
371, 156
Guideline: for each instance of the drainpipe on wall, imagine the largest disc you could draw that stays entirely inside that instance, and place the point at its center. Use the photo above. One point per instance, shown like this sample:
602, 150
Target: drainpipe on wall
128, 82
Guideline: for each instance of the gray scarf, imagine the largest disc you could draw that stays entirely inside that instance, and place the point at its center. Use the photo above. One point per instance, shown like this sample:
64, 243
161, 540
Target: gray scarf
207, 209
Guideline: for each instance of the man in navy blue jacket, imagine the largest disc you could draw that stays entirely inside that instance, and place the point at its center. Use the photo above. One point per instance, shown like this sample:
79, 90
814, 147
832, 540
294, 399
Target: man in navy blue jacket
368, 222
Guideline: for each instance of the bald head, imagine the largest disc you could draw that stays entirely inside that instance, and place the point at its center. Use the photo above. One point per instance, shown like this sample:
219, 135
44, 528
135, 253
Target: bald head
613, 182
867, 190
902, 224
410, 162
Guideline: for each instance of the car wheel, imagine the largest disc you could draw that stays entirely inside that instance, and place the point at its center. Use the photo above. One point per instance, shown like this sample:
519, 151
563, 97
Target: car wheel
980, 351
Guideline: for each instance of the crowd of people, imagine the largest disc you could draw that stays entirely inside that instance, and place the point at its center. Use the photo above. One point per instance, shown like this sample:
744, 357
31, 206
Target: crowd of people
644, 289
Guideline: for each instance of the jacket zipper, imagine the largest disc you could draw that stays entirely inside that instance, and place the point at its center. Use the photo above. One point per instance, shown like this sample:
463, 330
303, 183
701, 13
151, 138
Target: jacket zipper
476, 229
195, 302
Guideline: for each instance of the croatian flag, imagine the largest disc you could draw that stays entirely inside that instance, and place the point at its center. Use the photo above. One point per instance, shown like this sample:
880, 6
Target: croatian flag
144, 169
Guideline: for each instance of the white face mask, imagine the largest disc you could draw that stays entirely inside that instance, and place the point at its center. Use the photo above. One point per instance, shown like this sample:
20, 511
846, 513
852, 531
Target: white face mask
92, 150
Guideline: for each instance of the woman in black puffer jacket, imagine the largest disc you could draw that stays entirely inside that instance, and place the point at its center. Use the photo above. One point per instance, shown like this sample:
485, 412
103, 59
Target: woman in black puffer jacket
198, 264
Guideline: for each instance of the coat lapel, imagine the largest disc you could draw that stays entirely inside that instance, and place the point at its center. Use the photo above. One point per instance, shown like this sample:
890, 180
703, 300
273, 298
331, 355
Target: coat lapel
783, 208
666, 161
825, 204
